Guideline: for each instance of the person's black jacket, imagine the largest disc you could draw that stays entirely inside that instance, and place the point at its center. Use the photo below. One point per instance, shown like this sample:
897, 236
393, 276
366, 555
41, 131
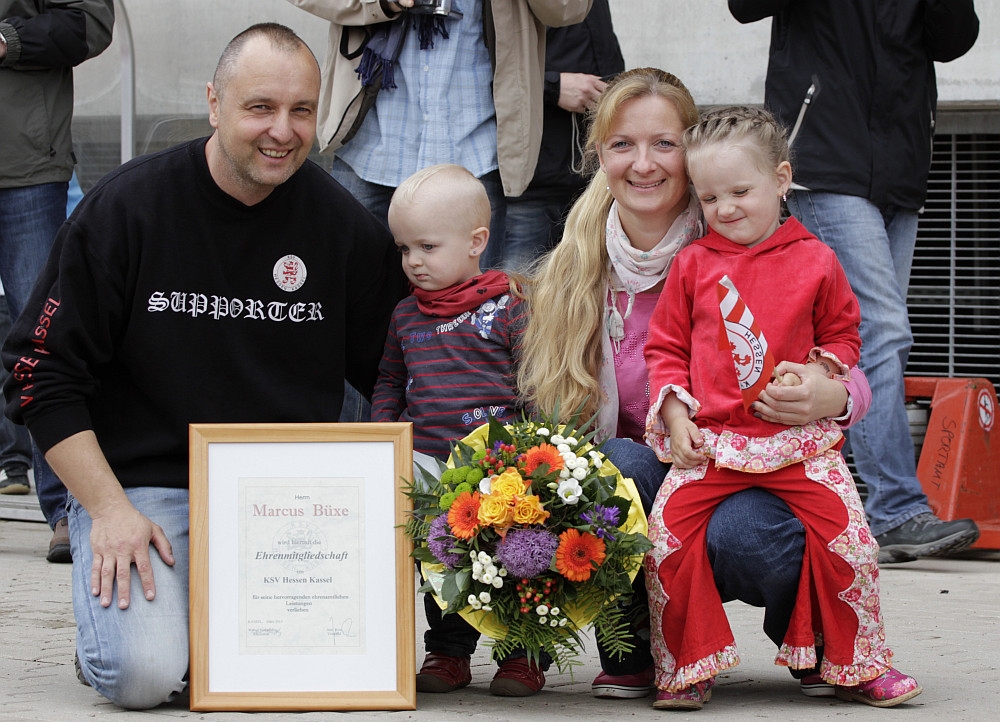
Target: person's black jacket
868, 131
587, 47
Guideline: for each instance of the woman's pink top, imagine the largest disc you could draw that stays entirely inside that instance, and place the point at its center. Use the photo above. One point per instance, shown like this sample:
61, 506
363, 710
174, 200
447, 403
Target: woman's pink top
630, 366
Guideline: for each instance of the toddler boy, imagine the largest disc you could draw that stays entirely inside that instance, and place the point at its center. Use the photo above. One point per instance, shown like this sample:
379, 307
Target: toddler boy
448, 365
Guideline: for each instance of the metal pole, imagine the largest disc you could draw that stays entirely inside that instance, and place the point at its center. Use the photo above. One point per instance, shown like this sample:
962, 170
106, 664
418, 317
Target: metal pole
127, 81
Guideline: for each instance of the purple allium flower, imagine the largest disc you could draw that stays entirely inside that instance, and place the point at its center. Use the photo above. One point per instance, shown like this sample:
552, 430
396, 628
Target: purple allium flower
440, 541
603, 519
526, 553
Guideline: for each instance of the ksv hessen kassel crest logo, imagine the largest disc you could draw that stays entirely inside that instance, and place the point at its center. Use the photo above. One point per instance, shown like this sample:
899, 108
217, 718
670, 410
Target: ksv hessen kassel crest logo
741, 335
290, 273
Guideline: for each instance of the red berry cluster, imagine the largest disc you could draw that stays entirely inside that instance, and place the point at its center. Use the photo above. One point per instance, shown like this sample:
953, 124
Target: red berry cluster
531, 594
498, 459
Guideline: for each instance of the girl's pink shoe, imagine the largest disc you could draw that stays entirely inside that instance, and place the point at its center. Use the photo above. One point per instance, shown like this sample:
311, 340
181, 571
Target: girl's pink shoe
691, 698
887, 690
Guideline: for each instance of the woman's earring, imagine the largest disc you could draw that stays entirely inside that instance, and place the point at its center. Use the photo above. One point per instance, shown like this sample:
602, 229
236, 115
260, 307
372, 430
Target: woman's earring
784, 197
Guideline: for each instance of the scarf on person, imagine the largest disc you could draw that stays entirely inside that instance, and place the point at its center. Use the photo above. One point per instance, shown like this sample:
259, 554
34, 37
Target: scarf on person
382, 50
634, 271
456, 300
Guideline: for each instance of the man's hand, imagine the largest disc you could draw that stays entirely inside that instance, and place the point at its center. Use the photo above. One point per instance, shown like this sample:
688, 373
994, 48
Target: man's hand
395, 6
119, 538
579, 92
120, 535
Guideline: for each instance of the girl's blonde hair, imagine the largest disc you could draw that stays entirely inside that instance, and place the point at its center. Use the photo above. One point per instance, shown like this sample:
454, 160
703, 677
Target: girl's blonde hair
754, 128
562, 348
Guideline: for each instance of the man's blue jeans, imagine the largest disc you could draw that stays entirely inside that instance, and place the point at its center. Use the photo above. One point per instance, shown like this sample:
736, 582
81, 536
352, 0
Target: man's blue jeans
136, 657
376, 199
875, 247
29, 219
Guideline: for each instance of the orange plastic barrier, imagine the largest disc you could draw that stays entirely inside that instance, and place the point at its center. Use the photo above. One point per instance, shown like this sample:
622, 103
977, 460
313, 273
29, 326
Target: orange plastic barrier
959, 465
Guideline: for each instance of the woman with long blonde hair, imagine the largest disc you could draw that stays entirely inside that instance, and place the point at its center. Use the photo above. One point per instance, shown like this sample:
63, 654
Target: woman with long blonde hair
582, 351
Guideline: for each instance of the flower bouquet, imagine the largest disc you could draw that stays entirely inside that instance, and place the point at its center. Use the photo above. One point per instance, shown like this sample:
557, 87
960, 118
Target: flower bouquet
530, 534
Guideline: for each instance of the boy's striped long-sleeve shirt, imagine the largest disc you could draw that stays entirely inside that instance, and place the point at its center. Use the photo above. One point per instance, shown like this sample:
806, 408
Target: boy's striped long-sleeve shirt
447, 375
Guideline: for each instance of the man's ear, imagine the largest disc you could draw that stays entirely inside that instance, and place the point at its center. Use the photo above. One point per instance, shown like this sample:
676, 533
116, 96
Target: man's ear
480, 237
213, 105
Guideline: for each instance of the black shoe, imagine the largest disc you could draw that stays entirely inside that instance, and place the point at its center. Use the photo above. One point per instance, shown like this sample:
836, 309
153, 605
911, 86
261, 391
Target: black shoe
925, 536
15, 479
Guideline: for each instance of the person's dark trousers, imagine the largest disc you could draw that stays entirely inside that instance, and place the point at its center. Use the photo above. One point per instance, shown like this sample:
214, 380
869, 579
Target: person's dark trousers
755, 545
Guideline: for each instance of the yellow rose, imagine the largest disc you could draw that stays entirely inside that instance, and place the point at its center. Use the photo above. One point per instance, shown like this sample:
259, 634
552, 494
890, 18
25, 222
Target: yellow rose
528, 510
495, 511
509, 484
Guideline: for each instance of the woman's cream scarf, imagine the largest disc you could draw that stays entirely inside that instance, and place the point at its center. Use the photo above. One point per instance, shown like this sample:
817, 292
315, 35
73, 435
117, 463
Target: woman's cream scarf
634, 271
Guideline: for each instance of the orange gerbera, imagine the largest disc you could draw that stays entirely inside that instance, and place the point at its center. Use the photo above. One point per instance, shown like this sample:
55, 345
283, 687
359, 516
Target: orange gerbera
578, 554
542, 454
463, 516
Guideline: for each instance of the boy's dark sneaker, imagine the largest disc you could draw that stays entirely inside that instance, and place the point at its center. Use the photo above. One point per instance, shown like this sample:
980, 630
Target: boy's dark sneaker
517, 678
925, 536
15, 479
441, 673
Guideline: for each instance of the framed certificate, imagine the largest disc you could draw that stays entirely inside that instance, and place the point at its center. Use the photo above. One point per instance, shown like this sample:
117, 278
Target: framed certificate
301, 577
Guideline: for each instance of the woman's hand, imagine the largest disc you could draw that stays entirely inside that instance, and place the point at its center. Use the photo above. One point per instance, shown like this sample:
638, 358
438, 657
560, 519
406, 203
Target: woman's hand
815, 398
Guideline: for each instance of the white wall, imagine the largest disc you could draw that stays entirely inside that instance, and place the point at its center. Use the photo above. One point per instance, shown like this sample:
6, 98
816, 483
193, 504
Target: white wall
178, 43
722, 61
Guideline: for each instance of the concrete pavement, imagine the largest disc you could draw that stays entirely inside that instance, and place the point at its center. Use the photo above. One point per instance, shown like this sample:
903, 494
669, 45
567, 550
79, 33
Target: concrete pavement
942, 620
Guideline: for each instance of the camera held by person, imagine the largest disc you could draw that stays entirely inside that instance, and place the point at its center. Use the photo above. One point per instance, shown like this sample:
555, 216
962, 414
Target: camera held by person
434, 7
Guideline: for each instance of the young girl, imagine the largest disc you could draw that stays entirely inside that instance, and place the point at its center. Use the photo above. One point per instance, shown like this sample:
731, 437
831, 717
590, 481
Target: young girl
751, 291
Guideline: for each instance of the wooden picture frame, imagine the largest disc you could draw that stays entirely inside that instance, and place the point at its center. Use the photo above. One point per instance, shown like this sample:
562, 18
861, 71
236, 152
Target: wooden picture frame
301, 577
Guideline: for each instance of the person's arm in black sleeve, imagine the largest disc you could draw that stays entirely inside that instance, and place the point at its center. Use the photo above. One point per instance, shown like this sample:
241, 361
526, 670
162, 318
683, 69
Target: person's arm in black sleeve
750, 11
378, 284
67, 328
950, 28
64, 35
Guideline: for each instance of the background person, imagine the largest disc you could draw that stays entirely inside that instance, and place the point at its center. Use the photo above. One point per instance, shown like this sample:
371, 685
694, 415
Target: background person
583, 349
578, 59
862, 155
468, 90
15, 443
40, 44
268, 287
